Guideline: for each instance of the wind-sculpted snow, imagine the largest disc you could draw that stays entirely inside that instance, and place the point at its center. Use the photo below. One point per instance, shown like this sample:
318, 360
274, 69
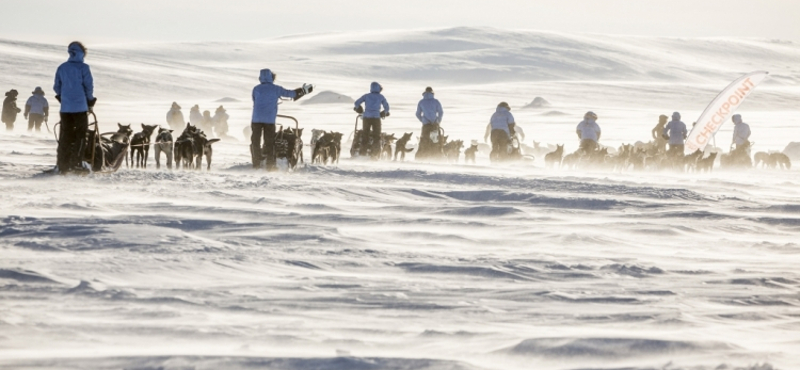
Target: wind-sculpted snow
407, 265
608, 347
411, 266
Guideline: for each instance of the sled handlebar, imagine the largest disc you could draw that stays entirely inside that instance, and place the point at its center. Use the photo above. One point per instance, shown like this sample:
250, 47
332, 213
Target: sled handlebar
296, 123
356, 124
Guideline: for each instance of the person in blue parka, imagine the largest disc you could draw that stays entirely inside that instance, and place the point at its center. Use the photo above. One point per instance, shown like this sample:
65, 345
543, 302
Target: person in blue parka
265, 112
37, 110
74, 87
500, 129
741, 132
676, 132
371, 119
429, 113
589, 133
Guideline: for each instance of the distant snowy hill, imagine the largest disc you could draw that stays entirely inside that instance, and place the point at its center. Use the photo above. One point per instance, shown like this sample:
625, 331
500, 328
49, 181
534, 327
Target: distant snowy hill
455, 56
329, 97
538, 102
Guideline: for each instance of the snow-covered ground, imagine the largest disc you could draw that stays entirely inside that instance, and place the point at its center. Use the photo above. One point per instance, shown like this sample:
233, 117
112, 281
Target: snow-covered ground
407, 265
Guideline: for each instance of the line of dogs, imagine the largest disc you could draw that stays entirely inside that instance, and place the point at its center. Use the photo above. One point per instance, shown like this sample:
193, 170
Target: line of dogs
441, 148
647, 156
188, 150
772, 160
192, 145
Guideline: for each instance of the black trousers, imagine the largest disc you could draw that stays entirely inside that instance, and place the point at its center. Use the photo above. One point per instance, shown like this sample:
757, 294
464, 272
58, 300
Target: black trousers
676, 150
371, 129
35, 120
267, 132
72, 140
588, 146
425, 143
500, 141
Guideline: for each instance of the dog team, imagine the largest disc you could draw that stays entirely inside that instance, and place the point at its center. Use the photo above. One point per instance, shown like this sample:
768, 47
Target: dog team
74, 90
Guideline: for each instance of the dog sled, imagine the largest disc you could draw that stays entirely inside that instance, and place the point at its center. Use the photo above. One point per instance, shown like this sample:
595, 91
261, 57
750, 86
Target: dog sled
104, 153
433, 147
513, 153
355, 136
380, 150
738, 157
288, 149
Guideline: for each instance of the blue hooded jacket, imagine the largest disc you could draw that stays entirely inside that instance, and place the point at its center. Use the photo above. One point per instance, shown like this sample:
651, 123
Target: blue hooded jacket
74, 82
741, 130
676, 130
265, 98
374, 100
429, 110
589, 129
501, 119
36, 104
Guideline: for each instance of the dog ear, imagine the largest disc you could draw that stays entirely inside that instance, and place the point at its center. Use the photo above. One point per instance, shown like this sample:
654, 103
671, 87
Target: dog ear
119, 124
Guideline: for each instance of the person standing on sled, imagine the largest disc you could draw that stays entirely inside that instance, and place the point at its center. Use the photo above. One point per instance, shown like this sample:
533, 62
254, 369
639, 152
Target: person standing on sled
371, 119
741, 133
675, 132
74, 87
500, 129
429, 112
588, 133
37, 110
265, 112
10, 109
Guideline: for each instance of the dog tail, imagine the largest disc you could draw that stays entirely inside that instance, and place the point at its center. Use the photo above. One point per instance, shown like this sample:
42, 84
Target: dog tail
212, 141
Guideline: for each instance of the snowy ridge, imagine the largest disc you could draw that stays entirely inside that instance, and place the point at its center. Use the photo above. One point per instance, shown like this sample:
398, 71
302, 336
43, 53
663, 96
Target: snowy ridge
455, 56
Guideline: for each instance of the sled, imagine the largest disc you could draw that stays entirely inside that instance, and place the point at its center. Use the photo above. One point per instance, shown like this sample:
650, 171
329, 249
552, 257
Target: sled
288, 147
105, 155
435, 149
355, 146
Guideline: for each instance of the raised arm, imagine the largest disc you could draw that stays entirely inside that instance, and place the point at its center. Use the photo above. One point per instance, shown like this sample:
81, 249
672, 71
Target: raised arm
287, 93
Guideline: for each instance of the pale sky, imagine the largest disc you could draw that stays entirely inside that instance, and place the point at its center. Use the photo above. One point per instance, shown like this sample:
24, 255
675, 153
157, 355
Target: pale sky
102, 21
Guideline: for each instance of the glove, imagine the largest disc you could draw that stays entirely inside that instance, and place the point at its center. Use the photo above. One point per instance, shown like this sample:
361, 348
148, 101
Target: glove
309, 88
92, 102
384, 114
358, 109
299, 93
25, 115
58, 97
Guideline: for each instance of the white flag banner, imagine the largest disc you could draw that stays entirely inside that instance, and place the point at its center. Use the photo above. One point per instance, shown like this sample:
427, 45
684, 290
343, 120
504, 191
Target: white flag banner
721, 110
